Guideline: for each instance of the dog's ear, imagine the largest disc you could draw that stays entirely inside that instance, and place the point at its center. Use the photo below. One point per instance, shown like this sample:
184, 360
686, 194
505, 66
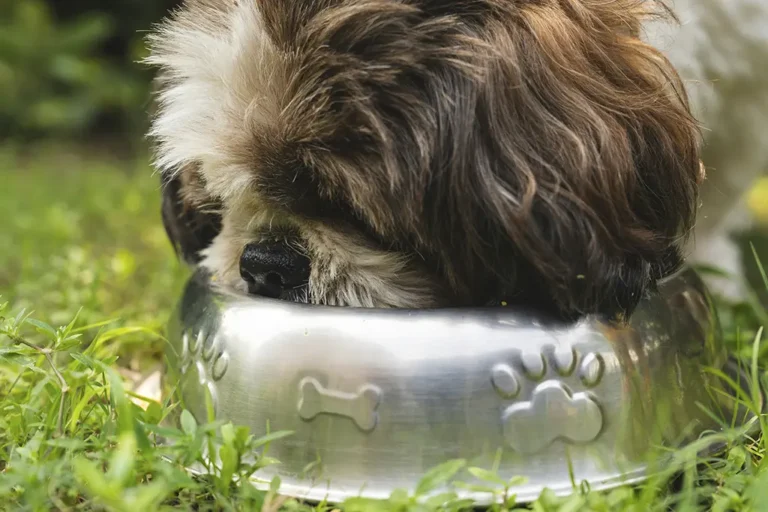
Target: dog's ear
589, 164
190, 225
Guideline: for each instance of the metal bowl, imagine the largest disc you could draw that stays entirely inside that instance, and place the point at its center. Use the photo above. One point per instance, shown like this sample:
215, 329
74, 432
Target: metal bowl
376, 398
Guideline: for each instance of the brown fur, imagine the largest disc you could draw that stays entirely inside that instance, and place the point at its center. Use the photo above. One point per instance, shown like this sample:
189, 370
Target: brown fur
467, 150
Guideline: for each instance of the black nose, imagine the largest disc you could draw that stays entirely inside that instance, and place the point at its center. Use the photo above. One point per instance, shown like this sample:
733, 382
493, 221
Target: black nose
270, 269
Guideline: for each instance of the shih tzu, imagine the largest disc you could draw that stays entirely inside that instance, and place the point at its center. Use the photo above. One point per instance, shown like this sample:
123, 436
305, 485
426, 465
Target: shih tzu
426, 153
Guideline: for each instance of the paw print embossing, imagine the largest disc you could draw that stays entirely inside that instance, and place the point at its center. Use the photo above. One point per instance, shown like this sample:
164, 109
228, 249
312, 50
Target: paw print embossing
545, 407
206, 359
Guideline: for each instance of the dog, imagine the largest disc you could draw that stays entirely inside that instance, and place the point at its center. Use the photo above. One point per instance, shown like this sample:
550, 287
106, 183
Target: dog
720, 49
426, 153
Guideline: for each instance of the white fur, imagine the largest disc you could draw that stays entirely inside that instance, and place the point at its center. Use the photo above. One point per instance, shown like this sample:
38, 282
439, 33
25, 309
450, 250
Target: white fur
221, 80
363, 276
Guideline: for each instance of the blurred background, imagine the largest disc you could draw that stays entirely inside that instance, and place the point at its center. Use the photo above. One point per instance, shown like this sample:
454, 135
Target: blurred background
68, 70
80, 227
80, 230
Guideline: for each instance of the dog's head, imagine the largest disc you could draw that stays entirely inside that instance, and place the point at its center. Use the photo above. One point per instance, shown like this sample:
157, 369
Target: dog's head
419, 153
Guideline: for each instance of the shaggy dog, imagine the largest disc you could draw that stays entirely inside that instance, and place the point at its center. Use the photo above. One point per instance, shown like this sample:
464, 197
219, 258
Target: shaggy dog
426, 153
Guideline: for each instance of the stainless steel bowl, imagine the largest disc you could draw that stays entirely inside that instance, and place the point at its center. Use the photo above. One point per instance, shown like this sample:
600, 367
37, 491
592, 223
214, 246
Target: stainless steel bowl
379, 397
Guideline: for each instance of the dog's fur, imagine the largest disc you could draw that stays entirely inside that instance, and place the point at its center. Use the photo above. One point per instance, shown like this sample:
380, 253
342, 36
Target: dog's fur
429, 153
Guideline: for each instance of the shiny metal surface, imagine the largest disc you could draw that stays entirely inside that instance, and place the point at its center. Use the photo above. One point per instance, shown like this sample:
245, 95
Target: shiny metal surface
379, 397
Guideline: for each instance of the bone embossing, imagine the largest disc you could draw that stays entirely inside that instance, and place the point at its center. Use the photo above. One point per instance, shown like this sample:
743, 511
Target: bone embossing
360, 407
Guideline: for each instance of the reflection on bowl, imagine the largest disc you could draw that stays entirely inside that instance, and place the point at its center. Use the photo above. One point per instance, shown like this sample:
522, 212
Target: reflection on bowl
379, 397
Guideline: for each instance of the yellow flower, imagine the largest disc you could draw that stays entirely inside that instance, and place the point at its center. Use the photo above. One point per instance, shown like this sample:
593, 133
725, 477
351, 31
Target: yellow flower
757, 199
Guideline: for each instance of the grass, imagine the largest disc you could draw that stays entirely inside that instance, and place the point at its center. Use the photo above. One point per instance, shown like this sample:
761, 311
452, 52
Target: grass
88, 281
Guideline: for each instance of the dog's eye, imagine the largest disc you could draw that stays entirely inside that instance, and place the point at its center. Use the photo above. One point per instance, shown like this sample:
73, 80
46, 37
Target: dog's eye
298, 189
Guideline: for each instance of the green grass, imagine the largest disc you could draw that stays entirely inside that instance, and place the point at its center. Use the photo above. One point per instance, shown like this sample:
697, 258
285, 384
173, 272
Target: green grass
90, 280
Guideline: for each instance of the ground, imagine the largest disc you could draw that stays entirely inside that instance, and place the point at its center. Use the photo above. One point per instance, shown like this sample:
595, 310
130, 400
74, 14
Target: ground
90, 279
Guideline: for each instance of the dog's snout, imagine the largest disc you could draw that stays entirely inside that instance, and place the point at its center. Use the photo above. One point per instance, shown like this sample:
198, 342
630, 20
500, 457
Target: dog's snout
271, 269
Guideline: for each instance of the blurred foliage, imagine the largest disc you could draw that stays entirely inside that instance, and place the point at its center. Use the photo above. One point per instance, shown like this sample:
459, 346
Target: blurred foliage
83, 234
69, 69
758, 201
